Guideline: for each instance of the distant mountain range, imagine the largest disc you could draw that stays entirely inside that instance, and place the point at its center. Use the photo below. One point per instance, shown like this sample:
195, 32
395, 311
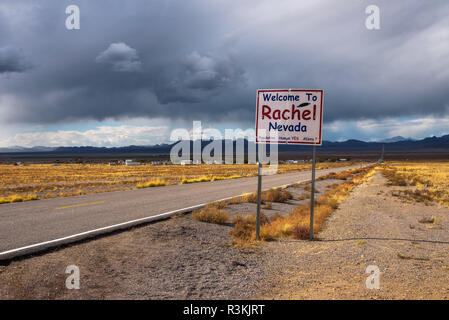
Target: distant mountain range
395, 144
396, 139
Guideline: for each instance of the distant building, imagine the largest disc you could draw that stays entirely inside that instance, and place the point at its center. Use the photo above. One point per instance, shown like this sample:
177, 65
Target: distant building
218, 162
186, 162
131, 163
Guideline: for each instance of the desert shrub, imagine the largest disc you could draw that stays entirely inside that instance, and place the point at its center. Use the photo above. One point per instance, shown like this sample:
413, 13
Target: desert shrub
245, 226
211, 214
431, 219
211, 178
268, 206
300, 232
18, 198
235, 200
193, 180
250, 197
395, 178
304, 196
272, 195
276, 195
235, 176
152, 183
344, 175
220, 204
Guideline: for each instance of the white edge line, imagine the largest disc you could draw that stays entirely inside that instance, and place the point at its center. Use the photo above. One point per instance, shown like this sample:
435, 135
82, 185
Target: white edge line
122, 224
9, 253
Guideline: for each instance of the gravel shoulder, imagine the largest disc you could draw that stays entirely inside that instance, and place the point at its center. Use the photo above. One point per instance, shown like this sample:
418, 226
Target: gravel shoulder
179, 258
370, 228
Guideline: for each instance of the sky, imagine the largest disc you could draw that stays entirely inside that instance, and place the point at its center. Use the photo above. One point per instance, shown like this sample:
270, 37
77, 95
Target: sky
137, 69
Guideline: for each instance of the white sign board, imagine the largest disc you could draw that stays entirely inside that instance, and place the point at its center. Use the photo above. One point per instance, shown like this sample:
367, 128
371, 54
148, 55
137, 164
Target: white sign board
292, 115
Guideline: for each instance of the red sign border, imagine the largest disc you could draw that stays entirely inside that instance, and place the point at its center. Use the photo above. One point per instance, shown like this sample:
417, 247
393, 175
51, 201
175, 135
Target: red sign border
291, 90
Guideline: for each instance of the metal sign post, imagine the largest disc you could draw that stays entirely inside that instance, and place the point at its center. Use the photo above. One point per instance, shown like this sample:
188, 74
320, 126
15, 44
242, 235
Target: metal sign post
259, 193
290, 116
312, 196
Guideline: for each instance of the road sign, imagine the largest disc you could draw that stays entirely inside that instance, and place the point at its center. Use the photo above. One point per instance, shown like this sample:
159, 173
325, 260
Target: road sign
295, 116
292, 116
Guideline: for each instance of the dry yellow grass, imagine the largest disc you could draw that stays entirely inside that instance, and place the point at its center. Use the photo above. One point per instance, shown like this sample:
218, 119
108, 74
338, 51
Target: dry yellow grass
210, 178
18, 198
297, 224
212, 213
244, 231
152, 183
47, 181
272, 195
430, 179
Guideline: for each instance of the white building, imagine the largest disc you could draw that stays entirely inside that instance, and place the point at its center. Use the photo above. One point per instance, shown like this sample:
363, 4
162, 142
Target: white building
186, 162
131, 163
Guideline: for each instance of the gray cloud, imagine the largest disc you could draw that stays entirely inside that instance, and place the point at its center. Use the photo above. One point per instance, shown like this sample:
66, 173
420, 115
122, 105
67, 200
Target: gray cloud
199, 77
205, 60
13, 60
121, 57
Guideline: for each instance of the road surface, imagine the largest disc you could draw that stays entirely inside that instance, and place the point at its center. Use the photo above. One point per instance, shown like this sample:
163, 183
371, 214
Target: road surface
32, 226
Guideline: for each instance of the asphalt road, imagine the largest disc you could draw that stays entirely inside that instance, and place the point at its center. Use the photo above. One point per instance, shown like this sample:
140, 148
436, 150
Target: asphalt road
35, 225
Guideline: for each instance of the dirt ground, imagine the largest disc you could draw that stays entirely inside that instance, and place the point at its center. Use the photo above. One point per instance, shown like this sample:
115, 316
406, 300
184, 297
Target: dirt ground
369, 228
180, 258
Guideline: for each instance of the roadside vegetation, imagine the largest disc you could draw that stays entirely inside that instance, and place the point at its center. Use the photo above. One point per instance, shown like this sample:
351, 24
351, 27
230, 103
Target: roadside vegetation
62, 180
272, 195
430, 181
296, 225
212, 213
152, 183
18, 198
210, 178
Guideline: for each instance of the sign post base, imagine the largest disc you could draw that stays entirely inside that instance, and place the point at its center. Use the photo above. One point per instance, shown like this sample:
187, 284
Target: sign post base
312, 196
259, 194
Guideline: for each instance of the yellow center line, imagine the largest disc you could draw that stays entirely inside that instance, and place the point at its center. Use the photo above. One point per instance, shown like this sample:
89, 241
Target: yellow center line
79, 205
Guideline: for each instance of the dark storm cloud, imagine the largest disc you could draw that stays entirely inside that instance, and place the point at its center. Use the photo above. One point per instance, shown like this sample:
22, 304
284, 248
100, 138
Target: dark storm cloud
121, 57
205, 60
13, 60
199, 77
